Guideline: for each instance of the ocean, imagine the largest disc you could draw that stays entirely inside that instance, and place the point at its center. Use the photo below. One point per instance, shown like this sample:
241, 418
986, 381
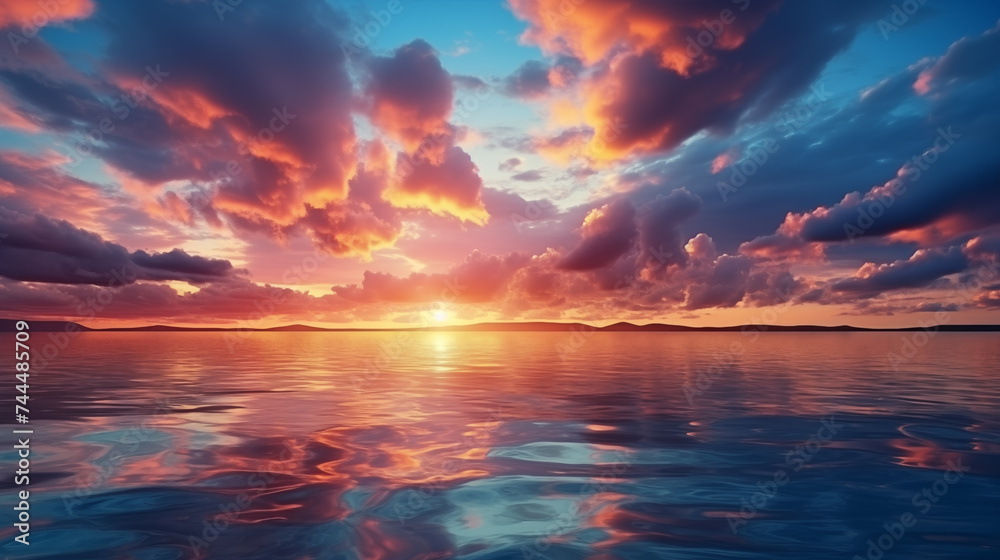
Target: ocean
512, 445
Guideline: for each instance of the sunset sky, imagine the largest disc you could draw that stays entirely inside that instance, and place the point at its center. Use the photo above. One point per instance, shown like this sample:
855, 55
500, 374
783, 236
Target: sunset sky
412, 162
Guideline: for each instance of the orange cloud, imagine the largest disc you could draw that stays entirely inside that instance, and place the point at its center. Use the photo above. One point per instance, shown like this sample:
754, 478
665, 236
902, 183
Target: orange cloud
11, 117
410, 94
33, 14
658, 73
725, 159
187, 104
681, 35
451, 186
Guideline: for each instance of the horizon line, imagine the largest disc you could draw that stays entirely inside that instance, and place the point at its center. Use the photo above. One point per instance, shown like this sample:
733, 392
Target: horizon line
8, 325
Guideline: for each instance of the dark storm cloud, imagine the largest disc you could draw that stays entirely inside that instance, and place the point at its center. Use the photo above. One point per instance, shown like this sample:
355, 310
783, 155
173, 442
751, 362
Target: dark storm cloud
659, 226
943, 174
829, 145
178, 262
39, 249
608, 233
921, 269
725, 286
968, 59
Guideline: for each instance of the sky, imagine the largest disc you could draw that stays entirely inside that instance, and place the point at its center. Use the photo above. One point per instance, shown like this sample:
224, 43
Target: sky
404, 163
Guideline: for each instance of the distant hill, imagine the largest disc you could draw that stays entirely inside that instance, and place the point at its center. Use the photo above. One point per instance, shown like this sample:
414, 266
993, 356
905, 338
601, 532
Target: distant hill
8, 325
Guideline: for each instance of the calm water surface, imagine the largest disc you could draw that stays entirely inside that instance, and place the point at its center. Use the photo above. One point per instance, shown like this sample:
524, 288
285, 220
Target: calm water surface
309, 446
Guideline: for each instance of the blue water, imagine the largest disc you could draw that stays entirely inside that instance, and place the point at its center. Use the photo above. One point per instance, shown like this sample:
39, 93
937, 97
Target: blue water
161, 446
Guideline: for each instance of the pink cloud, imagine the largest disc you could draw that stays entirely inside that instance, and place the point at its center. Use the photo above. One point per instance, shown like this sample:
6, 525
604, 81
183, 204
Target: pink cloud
32, 13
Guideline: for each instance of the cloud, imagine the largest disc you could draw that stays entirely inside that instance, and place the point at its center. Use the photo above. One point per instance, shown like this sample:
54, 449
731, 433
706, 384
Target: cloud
946, 192
660, 238
269, 90
509, 164
39, 249
410, 94
989, 299
363, 222
260, 122
468, 82
530, 80
479, 278
925, 266
261, 118
38, 184
564, 145
925, 180
448, 184
607, 233
724, 286
934, 307
726, 159
15, 14
529, 175
534, 79
411, 97
983, 247
236, 300
177, 264
372, 163
967, 59
665, 71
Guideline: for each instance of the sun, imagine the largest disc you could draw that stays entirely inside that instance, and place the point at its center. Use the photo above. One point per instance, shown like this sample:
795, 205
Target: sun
440, 315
